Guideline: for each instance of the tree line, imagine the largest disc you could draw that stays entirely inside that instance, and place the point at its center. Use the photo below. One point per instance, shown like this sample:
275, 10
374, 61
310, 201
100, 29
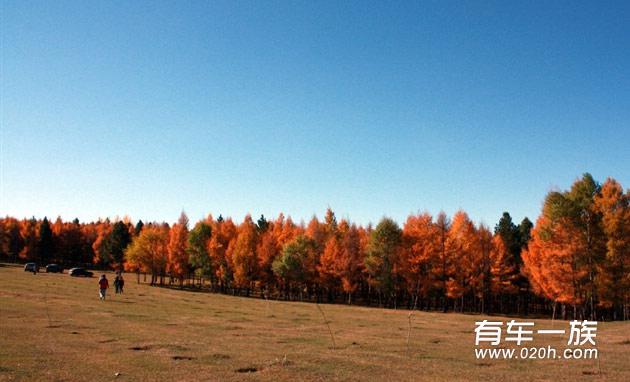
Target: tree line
574, 262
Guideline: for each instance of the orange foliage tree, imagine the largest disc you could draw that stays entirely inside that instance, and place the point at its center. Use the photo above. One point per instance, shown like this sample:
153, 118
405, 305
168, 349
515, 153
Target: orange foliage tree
350, 264
614, 281
178, 265
463, 278
244, 257
565, 256
29, 233
220, 249
420, 247
148, 252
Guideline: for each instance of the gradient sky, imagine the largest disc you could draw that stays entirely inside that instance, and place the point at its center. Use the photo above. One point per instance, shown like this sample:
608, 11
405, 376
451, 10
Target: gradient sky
113, 108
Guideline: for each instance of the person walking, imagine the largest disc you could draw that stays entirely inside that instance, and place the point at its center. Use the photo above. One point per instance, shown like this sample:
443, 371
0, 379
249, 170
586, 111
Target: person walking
103, 284
121, 283
117, 283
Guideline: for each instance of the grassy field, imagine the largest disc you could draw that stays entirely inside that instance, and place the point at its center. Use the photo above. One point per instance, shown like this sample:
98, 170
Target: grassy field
54, 328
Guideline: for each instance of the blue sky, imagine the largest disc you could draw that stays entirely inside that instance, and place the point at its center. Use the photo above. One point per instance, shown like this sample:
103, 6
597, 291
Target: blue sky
147, 108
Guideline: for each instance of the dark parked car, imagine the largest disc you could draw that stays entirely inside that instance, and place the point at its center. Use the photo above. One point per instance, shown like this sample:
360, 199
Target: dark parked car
80, 272
54, 268
31, 267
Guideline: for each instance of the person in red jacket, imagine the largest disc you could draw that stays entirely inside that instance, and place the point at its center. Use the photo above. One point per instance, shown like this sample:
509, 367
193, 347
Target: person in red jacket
103, 284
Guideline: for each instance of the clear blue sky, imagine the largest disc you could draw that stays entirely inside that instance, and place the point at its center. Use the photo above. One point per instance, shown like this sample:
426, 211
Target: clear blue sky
147, 108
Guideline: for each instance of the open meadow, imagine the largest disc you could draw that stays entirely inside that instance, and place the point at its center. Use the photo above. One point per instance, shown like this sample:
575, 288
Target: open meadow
54, 328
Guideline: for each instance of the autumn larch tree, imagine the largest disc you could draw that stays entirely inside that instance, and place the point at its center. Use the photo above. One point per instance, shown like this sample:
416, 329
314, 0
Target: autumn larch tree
244, 255
99, 245
584, 214
464, 279
350, 264
551, 262
420, 244
614, 280
317, 232
177, 265
149, 252
443, 266
568, 248
11, 242
503, 271
223, 234
285, 230
267, 250
328, 266
328, 237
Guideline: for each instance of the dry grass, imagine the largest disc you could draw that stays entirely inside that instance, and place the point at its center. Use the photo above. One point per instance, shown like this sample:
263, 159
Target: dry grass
54, 327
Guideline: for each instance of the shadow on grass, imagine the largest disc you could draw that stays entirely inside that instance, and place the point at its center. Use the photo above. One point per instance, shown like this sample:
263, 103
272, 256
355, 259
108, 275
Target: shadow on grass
182, 358
121, 301
249, 369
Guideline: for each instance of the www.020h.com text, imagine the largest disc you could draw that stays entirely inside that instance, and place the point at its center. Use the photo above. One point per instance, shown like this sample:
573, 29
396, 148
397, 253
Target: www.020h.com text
536, 353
